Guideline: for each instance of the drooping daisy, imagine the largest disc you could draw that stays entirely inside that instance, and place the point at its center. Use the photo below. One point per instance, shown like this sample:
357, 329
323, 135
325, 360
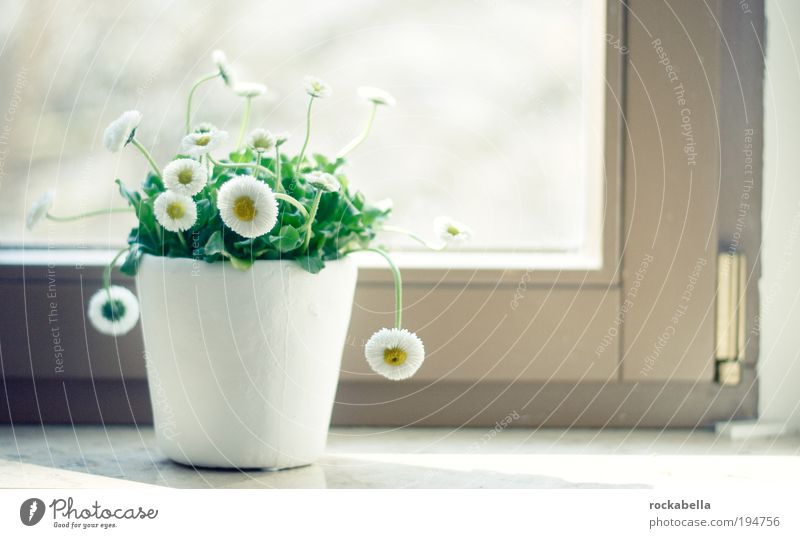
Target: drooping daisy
249, 89
247, 206
316, 87
121, 131
281, 138
377, 96
395, 353
225, 71
39, 210
113, 311
324, 181
451, 231
185, 176
261, 141
196, 144
175, 212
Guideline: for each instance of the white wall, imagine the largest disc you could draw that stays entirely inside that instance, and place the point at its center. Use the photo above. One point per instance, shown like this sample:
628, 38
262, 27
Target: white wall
779, 364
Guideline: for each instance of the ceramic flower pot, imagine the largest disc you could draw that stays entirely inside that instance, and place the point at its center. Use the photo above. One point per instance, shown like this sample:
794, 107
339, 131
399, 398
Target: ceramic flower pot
243, 365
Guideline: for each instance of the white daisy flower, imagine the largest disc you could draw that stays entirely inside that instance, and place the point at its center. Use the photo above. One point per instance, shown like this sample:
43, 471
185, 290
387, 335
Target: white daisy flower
39, 210
175, 212
225, 71
261, 141
120, 131
451, 231
323, 181
377, 96
281, 138
114, 311
316, 87
185, 176
249, 89
247, 206
395, 353
196, 144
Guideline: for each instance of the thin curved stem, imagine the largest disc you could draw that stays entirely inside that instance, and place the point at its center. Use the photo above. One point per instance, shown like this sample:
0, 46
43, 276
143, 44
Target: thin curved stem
183, 242
353, 144
262, 169
205, 78
245, 121
110, 267
311, 217
293, 201
415, 237
94, 213
308, 135
278, 178
147, 156
398, 284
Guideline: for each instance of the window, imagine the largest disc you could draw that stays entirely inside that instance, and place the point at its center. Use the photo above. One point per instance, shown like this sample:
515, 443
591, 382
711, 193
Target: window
513, 147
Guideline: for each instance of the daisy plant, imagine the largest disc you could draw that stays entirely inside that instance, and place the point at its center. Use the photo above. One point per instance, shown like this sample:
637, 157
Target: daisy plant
256, 202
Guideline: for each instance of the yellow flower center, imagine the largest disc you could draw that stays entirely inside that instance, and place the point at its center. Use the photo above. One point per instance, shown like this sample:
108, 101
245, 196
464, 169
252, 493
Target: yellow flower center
185, 177
452, 230
175, 210
202, 140
394, 356
244, 208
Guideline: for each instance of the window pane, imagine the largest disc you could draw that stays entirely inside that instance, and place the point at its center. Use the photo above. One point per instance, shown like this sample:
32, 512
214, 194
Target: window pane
496, 122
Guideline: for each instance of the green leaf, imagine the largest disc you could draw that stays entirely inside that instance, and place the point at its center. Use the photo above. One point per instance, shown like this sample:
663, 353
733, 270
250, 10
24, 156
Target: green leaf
133, 198
245, 156
131, 264
240, 264
313, 263
153, 186
288, 238
215, 244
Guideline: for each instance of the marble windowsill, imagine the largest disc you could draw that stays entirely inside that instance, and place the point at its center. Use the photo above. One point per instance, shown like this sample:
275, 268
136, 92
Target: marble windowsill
124, 456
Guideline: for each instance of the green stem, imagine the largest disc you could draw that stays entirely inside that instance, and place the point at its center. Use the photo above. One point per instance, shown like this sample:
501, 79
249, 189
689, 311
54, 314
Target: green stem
278, 178
311, 218
353, 144
197, 84
147, 156
293, 201
415, 237
245, 122
94, 213
262, 169
110, 267
183, 242
398, 284
308, 135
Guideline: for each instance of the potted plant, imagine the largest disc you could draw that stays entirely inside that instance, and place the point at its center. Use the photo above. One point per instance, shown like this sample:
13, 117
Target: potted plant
245, 285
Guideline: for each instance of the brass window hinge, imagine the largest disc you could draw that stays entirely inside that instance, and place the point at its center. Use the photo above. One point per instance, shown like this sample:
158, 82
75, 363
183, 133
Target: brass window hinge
730, 318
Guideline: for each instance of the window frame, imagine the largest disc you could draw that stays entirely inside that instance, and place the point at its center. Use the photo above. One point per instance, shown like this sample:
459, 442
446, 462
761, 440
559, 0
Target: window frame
478, 397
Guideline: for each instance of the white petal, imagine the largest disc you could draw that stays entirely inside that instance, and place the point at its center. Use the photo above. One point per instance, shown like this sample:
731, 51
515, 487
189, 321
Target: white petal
120, 130
266, 206
39, 209
122, 325
176, 174
377, 96
180, 224
395, 338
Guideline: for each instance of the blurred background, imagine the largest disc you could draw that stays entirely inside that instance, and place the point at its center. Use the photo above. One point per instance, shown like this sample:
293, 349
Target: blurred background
490, 143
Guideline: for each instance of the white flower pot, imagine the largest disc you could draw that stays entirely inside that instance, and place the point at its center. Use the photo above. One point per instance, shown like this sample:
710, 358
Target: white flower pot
243, 365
